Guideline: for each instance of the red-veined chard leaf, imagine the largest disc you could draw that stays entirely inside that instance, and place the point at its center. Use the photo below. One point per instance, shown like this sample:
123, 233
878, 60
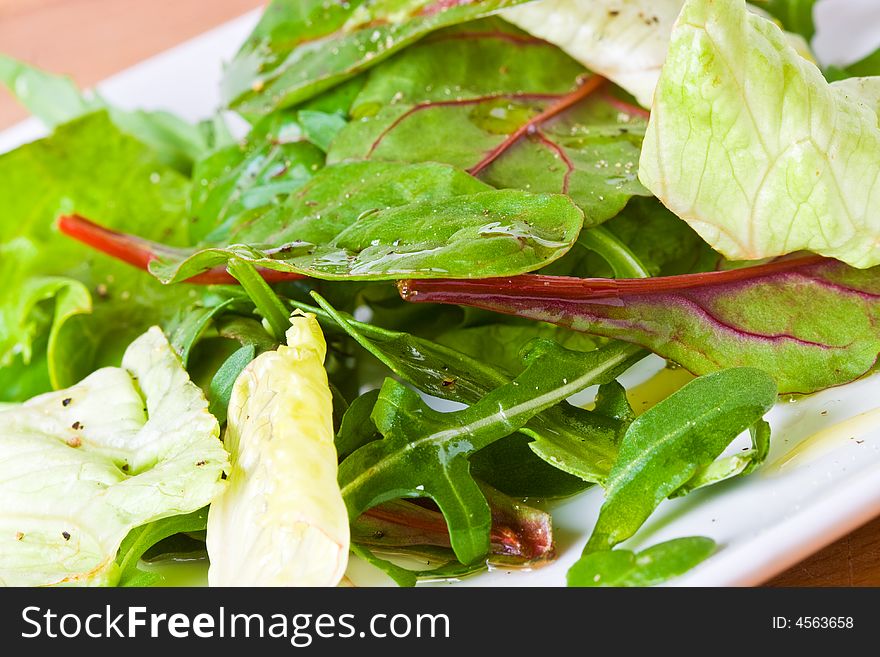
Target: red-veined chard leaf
303, 47
512, 109
424, 453
380, 220
810, 322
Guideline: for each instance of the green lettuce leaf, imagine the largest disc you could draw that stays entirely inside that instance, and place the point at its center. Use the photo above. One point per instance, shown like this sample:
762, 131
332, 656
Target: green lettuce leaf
82, 467
625, 40
751, 146
303, 47
89, 305
55, 100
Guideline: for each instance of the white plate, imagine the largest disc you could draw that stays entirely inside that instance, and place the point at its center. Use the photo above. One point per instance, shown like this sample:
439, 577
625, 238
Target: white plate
763, 523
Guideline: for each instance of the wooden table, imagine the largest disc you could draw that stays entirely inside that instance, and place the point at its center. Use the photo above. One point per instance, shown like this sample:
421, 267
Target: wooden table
92, 39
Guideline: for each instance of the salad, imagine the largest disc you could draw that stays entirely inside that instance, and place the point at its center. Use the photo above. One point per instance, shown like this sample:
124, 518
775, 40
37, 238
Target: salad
358, 326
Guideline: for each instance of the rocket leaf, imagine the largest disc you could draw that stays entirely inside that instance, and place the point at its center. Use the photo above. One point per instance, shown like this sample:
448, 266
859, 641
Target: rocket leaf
810, 322
578, 442
303, 47
654, 565
670, 443
425, 453
510, 108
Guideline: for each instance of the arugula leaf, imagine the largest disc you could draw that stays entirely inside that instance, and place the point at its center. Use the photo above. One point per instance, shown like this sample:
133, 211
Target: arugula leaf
654, 565
303, 47
520, 534
576, 441
499, 344
357, 428
509, 465
89, 166
509, 108
734, 148
380, 221
220, 390
424, 453
810, 322
670, 443
140, 540
732, 466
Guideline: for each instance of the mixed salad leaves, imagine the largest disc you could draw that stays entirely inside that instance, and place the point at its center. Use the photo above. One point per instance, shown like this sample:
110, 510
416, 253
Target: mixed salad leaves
446, 218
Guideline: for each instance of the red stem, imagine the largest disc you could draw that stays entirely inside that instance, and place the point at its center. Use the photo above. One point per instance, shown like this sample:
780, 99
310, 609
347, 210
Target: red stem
535, 286
587, 87
140, 252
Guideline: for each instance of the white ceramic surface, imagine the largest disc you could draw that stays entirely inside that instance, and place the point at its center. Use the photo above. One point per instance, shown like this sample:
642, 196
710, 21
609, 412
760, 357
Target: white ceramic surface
763, 523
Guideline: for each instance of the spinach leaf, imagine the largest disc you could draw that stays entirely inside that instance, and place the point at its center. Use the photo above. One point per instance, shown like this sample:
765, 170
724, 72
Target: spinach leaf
381, 221
810, 322
514, 110
670, 443
654, 565
425, 453
143, 538
303, 47
243, 181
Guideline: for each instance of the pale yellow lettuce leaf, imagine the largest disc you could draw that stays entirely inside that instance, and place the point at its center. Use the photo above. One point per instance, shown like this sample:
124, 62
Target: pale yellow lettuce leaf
281, 520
